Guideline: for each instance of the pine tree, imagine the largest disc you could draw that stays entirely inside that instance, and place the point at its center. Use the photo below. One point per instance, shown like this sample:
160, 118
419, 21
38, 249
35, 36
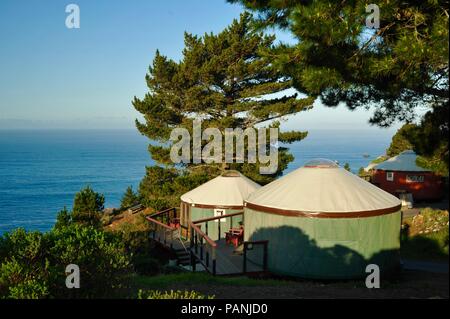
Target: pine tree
129, 198
400, 141
396, 69
63, 219
87, 207
224, 80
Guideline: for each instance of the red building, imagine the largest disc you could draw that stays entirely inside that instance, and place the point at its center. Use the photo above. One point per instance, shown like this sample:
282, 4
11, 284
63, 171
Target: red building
401, 174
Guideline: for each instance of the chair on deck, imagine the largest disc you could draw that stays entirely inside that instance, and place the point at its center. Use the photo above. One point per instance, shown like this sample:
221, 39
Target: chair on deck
174, 222
234, 236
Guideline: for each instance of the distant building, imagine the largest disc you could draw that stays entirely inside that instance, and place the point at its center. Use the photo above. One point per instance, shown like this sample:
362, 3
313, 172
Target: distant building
401, 174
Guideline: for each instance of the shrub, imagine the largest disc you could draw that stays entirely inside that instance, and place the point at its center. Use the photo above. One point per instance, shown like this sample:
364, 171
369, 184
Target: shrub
136, 235
32, 264
24, 268
63, 219
129, 199
146, 265
426, 236
87, 207
156, 294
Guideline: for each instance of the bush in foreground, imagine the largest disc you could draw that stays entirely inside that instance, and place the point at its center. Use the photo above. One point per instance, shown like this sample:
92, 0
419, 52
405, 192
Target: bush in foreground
426, 236
156, 294
32, 264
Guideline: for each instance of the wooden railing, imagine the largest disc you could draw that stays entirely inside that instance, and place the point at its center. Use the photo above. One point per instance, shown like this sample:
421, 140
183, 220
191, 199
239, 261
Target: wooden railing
219, 226
165, 215
162, 232
202, 247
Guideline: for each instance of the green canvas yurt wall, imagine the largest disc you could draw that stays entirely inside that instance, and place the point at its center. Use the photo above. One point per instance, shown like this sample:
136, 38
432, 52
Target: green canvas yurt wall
324, 222
225, 194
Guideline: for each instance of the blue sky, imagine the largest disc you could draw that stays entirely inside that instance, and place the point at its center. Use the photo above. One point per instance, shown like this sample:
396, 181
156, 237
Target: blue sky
54, 77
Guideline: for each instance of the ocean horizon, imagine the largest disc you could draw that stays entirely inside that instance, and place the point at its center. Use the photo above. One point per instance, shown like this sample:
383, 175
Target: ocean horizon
41, 170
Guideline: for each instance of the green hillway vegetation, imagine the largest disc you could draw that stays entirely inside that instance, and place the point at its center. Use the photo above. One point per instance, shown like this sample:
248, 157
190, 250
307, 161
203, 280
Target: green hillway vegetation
221, 78
124, 263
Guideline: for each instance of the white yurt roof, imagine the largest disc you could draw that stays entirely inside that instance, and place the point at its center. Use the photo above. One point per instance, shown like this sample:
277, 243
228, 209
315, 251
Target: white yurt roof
405, 161
322, 186
228, 189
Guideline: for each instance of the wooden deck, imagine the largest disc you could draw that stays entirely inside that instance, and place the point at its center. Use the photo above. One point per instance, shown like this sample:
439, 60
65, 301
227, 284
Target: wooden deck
228, 260
231, 263
201, 252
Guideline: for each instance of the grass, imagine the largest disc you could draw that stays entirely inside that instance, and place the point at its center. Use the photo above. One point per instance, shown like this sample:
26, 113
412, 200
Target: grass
164, 281
432, 246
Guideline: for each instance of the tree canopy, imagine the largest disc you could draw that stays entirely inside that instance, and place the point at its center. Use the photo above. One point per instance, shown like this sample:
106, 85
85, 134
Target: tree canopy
87, 210
427, 140
129, 198
225, 80
397, 69
400, 141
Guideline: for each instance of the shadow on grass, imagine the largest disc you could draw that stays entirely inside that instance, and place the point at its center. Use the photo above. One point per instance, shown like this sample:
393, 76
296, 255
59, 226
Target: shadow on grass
427, 247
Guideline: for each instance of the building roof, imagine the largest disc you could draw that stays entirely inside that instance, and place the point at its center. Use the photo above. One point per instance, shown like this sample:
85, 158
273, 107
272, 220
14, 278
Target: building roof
319, 187
228, 189
405, 161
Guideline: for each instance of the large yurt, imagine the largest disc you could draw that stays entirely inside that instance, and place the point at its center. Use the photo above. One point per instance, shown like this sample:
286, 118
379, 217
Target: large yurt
222, 195
323, 222
401, 174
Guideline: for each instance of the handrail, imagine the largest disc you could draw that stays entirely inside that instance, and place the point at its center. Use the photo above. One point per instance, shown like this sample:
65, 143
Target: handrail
199, 221
211, 242
164, 211
161, 224
164, 230
196, 232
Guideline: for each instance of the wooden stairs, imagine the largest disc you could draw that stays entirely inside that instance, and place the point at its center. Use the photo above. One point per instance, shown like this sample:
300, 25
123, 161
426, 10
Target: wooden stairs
183, 257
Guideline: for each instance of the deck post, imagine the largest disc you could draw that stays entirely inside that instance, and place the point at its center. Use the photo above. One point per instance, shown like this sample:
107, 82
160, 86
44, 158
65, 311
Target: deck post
218, 226
207, 258
191, 246
201, 248
244, 267
206, 228
196, 243
213, 261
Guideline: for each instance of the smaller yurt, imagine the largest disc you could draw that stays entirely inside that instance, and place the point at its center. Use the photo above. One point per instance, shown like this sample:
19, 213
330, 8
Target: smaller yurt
222, 195
401, 174
323, 222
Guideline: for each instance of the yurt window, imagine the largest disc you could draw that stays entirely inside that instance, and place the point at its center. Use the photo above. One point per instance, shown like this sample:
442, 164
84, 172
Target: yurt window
390, 176
219, 212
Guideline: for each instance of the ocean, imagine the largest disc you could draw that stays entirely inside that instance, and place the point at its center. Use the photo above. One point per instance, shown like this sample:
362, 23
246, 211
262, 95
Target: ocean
40, 170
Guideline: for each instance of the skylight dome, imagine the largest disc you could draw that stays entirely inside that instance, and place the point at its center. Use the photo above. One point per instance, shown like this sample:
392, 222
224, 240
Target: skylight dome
321, 163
